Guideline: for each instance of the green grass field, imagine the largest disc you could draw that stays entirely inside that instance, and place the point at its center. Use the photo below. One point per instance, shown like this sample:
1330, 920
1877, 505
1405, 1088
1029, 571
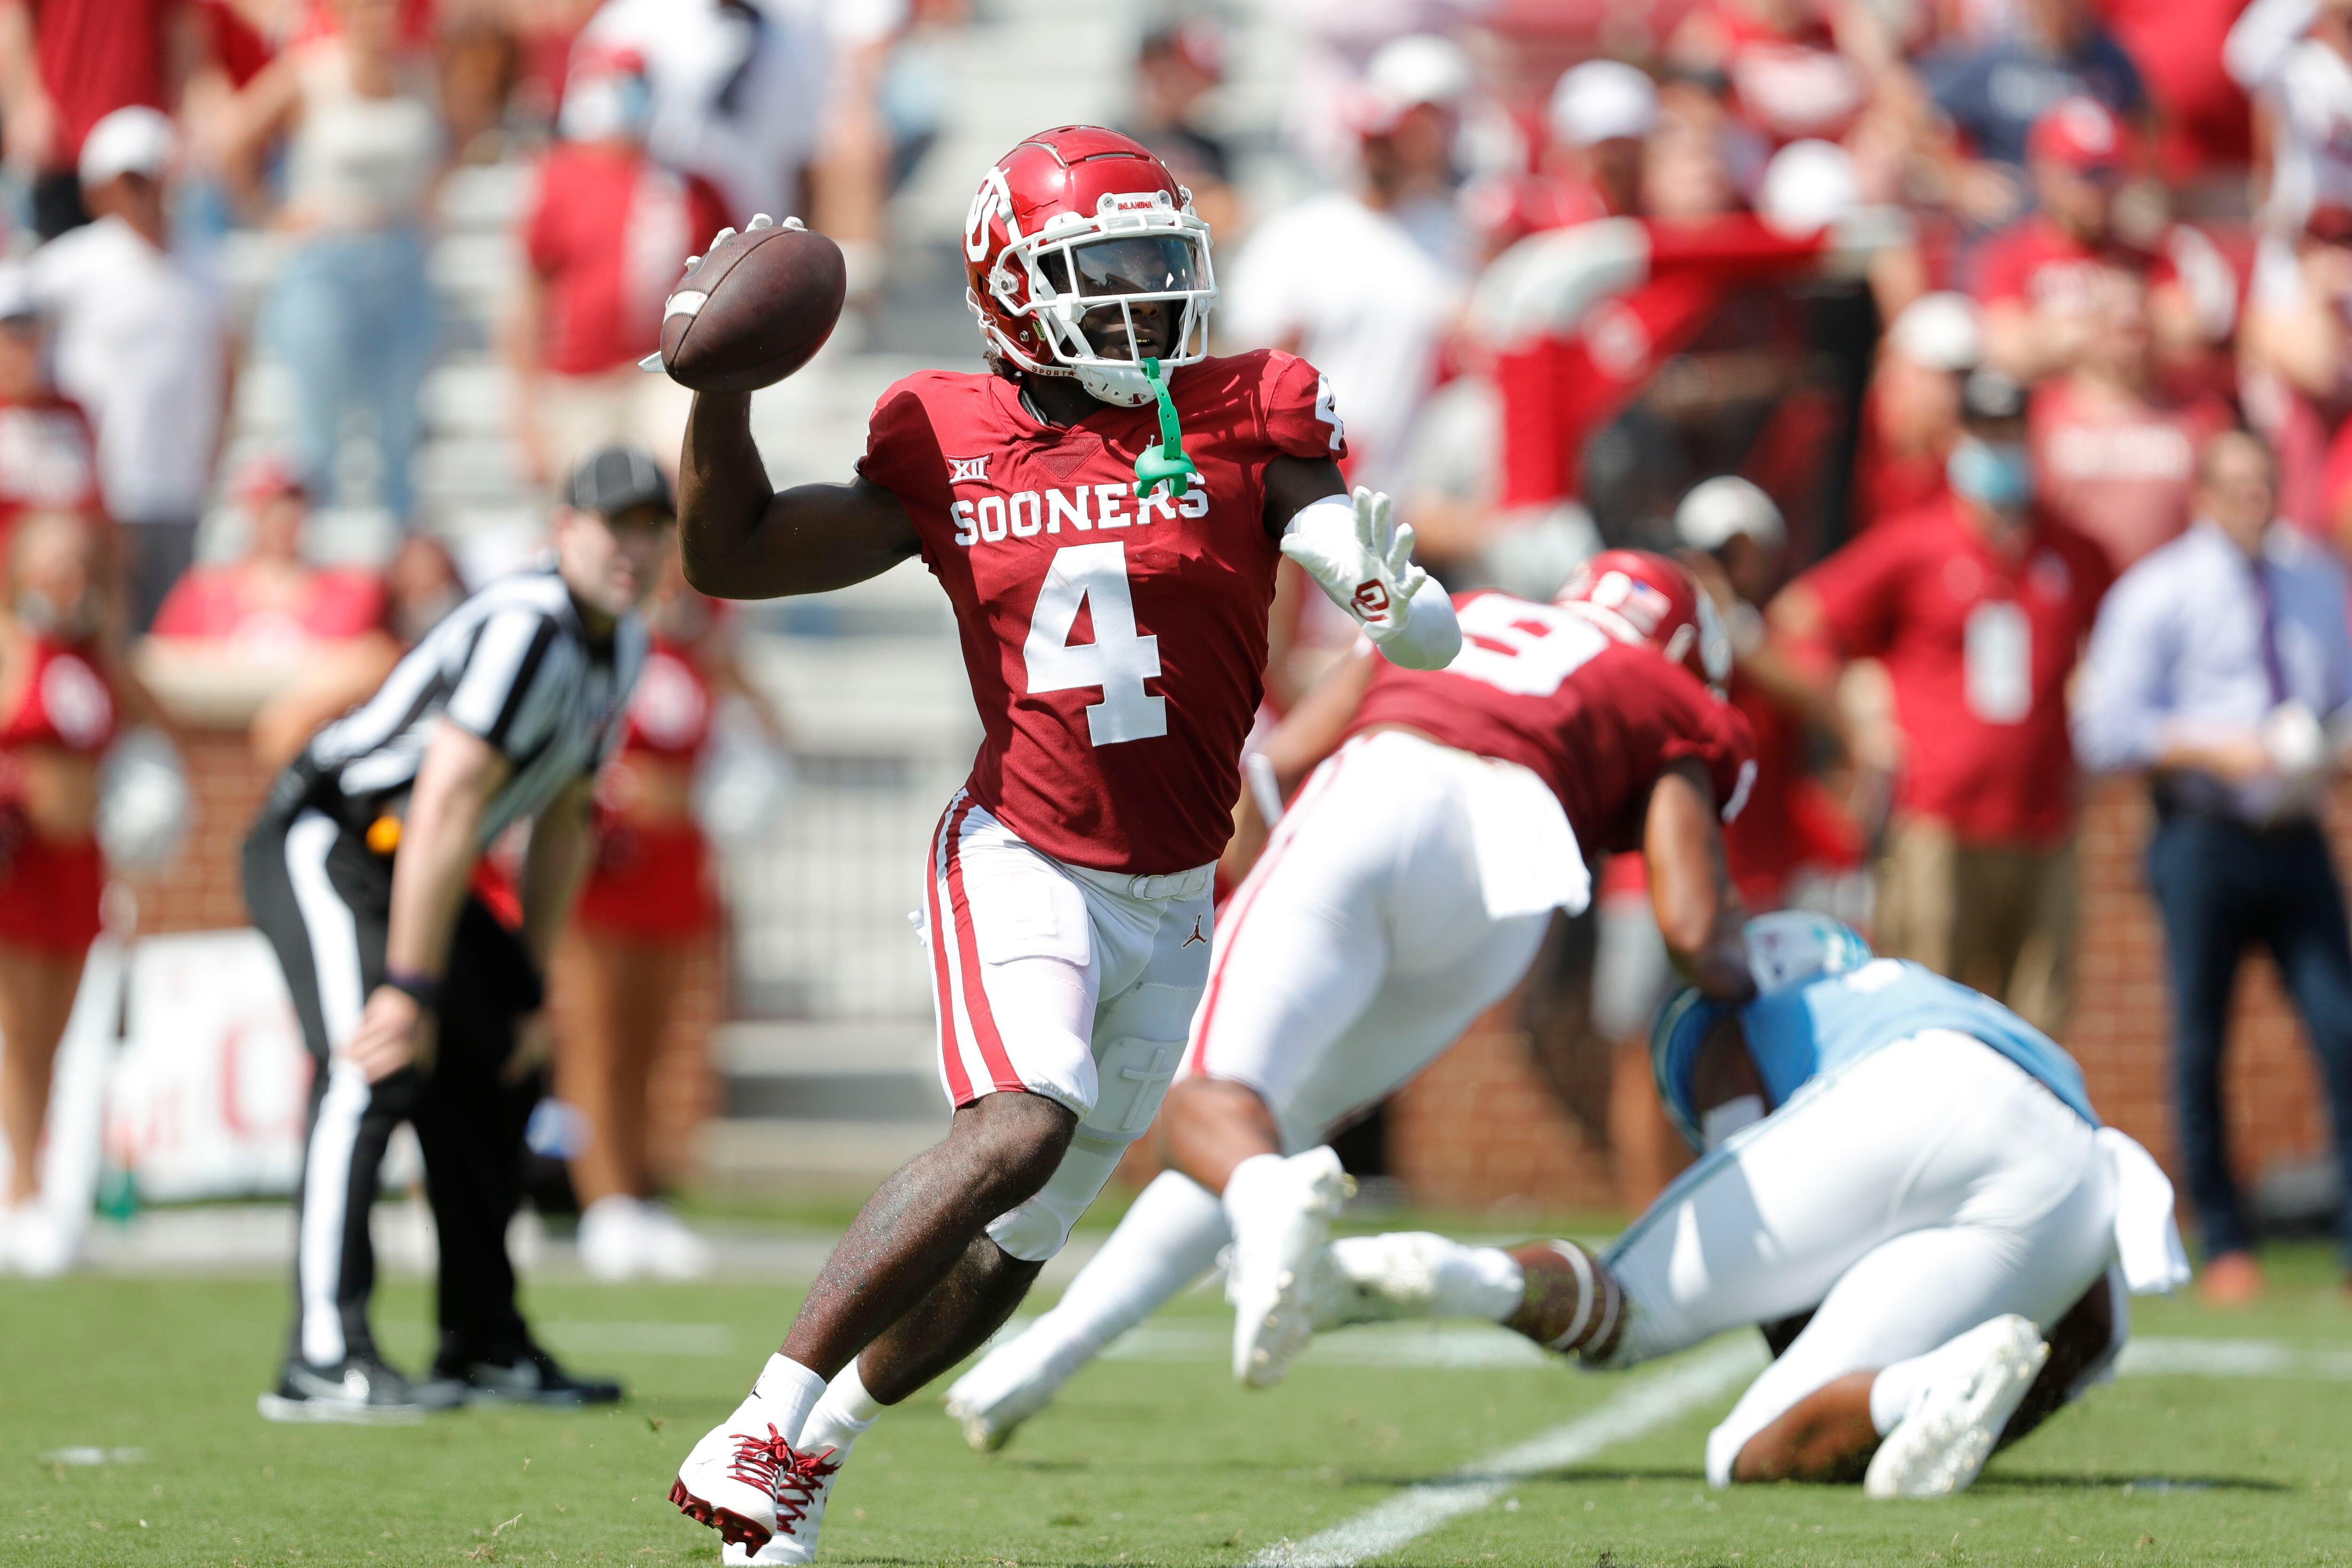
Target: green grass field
1154, 1458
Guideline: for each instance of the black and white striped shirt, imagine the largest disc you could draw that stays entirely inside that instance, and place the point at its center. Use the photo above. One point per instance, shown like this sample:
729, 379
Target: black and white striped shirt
512, 665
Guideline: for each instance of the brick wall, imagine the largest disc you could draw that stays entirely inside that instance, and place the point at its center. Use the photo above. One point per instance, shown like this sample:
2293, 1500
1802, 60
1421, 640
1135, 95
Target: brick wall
201, 892
1480, 1130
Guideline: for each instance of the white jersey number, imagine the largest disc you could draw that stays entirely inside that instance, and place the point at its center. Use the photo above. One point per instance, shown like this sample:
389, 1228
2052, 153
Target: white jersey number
1095, 576
1524, 649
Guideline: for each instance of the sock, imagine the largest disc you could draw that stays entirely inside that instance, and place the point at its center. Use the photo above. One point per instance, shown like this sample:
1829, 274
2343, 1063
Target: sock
841, 1417
1247, 1188
1168, 1238
1480, 1282
783, 1397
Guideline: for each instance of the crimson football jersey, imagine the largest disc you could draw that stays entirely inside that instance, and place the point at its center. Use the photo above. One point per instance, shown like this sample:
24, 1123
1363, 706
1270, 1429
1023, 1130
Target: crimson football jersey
1595, 719
1115, 646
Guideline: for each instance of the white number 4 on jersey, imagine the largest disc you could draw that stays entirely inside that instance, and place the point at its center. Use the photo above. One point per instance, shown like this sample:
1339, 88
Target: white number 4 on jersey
1094, 576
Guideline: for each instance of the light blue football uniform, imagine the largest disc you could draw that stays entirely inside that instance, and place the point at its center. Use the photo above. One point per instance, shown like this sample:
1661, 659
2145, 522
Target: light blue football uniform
1797, 1034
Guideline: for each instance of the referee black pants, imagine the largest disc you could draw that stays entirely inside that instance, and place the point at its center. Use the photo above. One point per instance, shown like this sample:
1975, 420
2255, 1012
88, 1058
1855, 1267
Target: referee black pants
323, 899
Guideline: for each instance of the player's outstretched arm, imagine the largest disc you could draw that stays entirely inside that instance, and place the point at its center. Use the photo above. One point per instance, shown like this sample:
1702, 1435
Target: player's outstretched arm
741, 540
1699, 910
1362, 560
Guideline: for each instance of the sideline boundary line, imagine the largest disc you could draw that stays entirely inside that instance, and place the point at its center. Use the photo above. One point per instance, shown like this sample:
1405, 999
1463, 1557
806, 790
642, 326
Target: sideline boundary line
1414, 1512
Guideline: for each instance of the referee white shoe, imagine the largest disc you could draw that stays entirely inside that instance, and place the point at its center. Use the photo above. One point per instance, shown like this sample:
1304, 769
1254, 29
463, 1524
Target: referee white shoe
1281, 1221
1941, 1445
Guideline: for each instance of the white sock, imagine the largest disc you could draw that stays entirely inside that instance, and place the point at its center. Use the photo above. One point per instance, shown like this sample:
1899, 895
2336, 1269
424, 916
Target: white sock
1480, 1282
785, 1395
1168, 1238
1251, 1189
841, 1417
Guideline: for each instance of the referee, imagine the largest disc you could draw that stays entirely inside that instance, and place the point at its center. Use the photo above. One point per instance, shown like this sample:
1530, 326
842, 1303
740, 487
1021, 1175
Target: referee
417, 1002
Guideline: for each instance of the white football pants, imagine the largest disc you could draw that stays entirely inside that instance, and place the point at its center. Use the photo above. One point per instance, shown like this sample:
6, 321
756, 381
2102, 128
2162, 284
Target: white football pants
1065, 982
1922, 1190
1360, 945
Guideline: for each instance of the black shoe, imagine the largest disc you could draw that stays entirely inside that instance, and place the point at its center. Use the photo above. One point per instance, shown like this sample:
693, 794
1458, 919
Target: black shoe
530, 1376
361, 1391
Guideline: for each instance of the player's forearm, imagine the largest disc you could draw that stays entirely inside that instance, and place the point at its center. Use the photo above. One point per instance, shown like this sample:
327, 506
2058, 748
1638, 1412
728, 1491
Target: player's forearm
1698, 910
562, 845
741, 540
437, 850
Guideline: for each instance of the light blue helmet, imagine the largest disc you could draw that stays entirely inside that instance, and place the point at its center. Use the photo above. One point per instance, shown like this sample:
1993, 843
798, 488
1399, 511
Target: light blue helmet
1786, 949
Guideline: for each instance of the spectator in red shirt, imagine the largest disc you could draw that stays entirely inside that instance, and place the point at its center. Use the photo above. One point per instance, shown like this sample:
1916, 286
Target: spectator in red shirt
65, 64
270, 604
1911, 415
2114, 456
49, 458
1977, 607
606, 236
2036, 278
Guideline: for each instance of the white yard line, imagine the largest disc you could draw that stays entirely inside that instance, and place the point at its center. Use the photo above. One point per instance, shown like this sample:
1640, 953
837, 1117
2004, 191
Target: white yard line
1647, 1404
1663, 1397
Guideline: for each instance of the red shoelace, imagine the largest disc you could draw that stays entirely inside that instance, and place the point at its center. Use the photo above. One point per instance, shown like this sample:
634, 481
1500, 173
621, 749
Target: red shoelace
790, 1477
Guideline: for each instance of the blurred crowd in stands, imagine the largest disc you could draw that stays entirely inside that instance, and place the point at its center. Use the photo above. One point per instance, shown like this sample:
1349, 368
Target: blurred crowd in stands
1917, 326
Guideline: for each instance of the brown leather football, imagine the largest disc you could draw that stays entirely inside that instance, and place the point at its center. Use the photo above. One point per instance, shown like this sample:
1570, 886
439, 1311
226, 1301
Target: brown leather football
759, 307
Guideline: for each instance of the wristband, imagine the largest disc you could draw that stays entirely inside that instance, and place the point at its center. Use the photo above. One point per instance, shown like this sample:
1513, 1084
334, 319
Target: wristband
425, 989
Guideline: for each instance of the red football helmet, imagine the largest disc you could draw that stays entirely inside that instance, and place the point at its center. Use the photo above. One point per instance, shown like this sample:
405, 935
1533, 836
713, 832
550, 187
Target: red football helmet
1080, 222
1639, 596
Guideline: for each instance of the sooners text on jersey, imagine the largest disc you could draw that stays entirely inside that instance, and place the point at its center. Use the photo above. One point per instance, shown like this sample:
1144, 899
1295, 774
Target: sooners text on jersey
1595, 719
1115, 646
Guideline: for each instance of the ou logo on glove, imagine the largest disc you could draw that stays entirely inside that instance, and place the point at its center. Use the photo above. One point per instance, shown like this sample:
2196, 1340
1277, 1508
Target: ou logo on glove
1372, 600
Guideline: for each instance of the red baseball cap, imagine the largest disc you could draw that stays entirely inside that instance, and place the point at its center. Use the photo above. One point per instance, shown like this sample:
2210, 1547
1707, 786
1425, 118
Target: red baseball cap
2080, 134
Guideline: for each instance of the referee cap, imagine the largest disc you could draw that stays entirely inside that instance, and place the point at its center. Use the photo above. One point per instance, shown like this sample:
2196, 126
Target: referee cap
611, 480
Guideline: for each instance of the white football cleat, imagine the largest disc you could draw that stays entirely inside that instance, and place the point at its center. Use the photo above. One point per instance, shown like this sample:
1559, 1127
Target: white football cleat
1941, 1447
794, 1543
1276, 1247
746, 1482
1012, 1383
1379, 1278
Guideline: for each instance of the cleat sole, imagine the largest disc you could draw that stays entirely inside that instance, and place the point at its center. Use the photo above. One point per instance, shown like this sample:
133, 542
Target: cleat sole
732, 1527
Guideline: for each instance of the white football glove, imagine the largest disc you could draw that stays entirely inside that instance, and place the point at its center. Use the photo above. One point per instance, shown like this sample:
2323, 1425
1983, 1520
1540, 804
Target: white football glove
684, 301
1363, 561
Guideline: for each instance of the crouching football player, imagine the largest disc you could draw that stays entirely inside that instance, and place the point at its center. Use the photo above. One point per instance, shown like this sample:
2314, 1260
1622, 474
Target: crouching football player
1904, 1185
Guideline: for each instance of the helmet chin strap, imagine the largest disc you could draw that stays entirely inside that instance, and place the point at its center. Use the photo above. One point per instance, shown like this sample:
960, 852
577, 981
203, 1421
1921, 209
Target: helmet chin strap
1167, 461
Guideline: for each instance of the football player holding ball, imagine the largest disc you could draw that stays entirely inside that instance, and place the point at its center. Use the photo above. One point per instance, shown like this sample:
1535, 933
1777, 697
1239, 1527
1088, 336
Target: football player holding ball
1105, 506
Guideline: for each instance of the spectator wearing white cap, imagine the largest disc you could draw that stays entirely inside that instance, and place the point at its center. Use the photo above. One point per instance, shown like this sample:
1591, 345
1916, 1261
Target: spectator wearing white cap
1599, 114
1736, 544
1365, 282
142, 343
1911, 415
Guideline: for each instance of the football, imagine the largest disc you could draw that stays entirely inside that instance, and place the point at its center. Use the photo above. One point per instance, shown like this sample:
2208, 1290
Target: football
757, 308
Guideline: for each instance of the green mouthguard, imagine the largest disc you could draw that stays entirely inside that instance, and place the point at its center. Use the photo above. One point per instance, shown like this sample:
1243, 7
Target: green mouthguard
1167, 461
